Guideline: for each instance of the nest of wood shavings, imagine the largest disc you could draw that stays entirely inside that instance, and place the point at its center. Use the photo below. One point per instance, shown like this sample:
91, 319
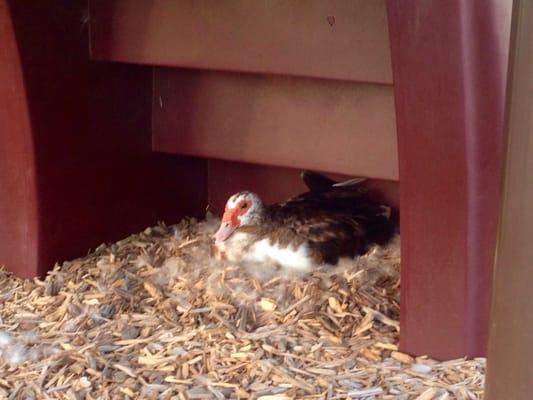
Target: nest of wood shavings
156, 316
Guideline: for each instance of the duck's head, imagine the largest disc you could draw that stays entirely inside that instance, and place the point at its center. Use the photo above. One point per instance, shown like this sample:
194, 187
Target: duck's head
242, 209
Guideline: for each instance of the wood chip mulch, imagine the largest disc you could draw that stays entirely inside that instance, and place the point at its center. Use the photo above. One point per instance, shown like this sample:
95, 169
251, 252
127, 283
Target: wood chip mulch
158, 316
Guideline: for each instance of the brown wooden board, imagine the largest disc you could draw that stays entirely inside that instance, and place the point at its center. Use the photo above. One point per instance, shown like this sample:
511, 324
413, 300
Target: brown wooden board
510, 371
340, 39
334, 126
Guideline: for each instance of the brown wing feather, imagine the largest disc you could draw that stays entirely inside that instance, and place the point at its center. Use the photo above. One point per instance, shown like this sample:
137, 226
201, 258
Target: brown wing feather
329, 236
340, 222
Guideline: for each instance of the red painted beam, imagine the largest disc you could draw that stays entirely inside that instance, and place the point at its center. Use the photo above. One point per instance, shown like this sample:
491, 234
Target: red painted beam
334, 39
276, 120
449, 63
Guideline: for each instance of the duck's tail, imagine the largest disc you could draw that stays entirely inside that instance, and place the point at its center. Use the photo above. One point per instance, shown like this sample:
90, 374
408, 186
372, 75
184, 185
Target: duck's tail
380, 220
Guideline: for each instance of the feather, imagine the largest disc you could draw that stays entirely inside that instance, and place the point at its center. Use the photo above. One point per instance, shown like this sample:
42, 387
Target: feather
317, 182
350, 182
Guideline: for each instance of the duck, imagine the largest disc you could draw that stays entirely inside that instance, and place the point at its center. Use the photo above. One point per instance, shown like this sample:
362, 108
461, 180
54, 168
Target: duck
329, 222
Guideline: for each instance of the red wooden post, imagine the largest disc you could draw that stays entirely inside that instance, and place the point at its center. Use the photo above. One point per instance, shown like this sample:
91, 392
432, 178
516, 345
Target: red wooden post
76, 160
18, 208
449, 62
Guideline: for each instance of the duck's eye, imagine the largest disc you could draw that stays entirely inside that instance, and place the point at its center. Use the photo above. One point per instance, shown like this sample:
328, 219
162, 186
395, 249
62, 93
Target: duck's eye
244, 205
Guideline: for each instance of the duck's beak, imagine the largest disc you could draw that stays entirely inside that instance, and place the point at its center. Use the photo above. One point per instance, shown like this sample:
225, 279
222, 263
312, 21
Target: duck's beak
225, 231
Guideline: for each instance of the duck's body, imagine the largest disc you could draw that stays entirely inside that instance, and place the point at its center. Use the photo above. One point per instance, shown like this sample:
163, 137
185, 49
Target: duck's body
315, 228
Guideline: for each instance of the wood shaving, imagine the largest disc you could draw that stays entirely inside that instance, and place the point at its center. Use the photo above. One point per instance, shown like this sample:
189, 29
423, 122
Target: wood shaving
158, 316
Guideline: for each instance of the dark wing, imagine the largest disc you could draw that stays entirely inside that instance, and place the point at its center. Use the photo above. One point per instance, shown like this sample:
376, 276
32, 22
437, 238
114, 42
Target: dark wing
316, 182
330, 235
341, 221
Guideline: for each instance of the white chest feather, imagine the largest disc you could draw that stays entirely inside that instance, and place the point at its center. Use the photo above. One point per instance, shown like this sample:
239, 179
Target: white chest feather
235, 246
289, 257
243, 247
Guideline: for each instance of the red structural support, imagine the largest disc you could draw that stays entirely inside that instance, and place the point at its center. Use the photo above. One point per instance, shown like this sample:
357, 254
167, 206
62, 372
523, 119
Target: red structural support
18, 208
449, 62
76, 160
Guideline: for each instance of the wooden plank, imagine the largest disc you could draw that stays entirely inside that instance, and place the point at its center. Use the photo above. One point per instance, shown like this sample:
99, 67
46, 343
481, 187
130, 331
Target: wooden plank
339, 39
18, 206
510, 371
449, 63
95, 176
334, 126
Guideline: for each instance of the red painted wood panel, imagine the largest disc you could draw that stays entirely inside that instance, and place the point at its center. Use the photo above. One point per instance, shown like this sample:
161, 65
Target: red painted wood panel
340, 39
449, 63
335, 126
95, 175
18, 207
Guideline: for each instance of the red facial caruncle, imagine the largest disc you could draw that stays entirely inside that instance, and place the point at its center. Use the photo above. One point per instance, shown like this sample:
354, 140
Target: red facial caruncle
231, 218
